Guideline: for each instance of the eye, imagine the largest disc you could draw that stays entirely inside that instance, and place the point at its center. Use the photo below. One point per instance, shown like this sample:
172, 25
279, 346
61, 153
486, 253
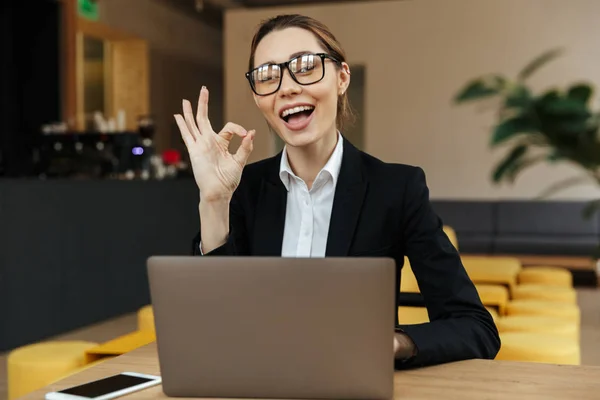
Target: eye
266, 73
303, 64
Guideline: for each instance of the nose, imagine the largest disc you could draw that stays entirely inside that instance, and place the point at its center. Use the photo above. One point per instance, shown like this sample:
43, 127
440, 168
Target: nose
289, 86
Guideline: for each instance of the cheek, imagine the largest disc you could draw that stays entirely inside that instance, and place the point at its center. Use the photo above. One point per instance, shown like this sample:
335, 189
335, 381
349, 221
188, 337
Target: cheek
265, 104
328, 98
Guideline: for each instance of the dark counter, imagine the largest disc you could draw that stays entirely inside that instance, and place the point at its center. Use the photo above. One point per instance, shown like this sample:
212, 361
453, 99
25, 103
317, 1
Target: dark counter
73, 253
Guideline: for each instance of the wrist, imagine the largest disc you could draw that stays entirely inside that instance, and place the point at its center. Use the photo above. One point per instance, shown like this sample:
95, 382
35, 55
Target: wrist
214, 223
214, 211
215, 199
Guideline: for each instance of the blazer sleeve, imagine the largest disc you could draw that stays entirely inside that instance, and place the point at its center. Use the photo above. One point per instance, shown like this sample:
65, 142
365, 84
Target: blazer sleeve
460, 327
237, 241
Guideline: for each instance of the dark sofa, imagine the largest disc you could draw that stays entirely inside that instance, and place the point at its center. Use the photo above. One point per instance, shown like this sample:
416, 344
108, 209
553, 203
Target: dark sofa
521, 227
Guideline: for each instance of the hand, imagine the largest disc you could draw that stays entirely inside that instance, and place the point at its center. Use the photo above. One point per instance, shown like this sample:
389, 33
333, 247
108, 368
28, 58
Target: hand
404, 347
216, 170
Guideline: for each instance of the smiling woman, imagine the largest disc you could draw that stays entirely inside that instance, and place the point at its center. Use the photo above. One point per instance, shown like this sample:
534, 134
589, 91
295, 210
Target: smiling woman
321, 196
318, 81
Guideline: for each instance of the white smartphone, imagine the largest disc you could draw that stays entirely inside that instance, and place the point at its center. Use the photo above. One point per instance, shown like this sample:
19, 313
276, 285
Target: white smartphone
107, 388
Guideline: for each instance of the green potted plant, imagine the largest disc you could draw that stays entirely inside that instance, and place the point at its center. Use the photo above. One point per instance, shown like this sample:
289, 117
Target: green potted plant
556, 125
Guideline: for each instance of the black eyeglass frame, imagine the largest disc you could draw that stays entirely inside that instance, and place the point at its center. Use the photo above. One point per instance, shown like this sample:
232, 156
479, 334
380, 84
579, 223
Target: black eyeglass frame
286, 65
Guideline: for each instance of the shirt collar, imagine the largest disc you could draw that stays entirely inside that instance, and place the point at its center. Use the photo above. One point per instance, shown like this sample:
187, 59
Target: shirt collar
333, 165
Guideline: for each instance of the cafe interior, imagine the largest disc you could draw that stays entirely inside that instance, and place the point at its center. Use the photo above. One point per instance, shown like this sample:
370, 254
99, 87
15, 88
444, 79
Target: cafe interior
95, 177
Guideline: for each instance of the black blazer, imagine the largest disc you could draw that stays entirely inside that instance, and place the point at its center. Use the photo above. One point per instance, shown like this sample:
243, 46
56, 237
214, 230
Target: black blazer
379, 210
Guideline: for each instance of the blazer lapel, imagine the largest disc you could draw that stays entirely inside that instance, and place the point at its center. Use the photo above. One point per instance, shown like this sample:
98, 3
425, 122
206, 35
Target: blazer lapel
349, 195
270, 213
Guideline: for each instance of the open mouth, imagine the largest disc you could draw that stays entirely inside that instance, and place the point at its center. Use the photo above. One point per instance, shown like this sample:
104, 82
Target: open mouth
297, 114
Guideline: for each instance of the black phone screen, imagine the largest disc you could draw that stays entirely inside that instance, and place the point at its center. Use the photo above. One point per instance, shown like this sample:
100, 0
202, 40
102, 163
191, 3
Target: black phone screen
105, 386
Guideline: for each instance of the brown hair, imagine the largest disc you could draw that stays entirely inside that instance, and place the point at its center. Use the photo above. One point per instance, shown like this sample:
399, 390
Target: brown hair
325, 38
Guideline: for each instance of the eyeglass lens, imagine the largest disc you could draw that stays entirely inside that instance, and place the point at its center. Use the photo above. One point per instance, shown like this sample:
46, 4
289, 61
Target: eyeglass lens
306, 69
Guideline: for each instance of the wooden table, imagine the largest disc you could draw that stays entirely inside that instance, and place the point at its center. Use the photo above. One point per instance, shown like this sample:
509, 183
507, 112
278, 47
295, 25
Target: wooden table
465, 380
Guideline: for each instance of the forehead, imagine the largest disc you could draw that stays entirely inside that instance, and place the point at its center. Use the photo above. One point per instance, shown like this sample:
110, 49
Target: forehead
279, 45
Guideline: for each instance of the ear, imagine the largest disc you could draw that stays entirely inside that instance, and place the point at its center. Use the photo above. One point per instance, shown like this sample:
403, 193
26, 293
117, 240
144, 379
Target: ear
343, 78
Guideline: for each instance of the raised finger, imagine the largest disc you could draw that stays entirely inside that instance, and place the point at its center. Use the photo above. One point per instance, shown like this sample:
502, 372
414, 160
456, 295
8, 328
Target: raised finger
243, 152
231, 129
202, 112
183, 129
188, 114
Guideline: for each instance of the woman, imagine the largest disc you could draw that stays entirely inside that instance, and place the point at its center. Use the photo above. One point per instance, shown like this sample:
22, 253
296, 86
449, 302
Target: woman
323, 197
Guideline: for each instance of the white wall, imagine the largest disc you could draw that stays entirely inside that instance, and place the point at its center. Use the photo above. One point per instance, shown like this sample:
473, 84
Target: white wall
418, 54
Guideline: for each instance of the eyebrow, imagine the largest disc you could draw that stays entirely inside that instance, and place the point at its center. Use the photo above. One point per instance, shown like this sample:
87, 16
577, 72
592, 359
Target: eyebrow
296, 54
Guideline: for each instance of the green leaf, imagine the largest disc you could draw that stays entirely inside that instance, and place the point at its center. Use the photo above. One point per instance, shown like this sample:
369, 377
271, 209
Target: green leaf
562, 118
581, 93
590, 209
562, 185
539, 62
585, 154
481, 88
511, 127
547, 98
508, 162
519, 97
567, 107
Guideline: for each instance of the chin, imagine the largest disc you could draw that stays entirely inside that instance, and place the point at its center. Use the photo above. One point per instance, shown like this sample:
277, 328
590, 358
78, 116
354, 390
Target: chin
300, 139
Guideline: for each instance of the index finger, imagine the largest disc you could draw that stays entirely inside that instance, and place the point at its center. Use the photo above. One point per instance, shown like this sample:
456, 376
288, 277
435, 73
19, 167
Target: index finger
202, 112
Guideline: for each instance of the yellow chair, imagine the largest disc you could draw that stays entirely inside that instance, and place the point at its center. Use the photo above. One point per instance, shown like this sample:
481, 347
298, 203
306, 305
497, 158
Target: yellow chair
541, 348
542, 275
493, 313
561, 294
37, 365
538, 324
569, 312
412, 315
408, 281
145, 319
451, 233
495, 296
493, 270
121, 345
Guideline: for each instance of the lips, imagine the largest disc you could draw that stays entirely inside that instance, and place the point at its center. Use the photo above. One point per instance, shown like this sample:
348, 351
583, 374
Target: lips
287, 112
298, 116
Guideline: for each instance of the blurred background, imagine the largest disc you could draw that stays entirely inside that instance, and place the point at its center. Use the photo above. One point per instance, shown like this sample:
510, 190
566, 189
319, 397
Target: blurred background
94, 177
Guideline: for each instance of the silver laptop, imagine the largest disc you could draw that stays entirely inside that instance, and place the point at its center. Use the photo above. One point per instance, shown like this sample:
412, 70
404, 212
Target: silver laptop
287, 328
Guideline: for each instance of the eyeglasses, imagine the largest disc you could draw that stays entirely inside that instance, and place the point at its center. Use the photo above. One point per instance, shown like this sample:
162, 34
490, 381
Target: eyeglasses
306, 69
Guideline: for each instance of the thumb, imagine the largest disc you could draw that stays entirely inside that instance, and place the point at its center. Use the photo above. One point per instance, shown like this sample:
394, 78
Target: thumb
243, 152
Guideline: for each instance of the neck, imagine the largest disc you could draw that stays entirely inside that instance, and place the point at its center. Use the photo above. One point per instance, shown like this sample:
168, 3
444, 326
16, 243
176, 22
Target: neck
308, 161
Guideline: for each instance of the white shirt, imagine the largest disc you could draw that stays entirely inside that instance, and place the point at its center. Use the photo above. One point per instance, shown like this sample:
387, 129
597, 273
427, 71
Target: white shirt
308, 212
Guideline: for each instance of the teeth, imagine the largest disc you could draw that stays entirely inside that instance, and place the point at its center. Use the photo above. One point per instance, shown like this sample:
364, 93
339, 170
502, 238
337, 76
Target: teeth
295, 110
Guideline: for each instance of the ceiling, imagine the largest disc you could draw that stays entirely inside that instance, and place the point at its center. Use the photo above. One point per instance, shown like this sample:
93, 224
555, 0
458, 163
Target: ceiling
269, 3
211, 11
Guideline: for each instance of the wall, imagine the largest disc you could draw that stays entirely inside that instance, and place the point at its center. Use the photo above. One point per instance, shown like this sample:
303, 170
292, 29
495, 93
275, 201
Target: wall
184, 55
417, 55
